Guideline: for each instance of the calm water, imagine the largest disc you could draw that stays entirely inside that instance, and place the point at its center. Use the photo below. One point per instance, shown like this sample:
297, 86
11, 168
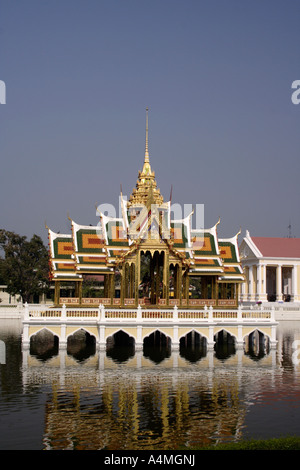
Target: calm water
117, 400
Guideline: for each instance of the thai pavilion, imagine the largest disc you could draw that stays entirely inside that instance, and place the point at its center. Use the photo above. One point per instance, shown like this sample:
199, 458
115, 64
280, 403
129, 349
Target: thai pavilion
144, 257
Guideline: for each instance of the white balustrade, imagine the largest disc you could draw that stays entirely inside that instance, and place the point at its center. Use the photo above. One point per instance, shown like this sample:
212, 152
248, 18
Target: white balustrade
138, 318
143, 315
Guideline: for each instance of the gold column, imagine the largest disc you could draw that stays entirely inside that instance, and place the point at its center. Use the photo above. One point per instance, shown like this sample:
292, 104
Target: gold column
112, 287
132, 268
80, 291
126, 280
152, 279
106, 285
232, 291
122, 272
175, 281
180, 283
166, 280
157, 278
76, 290
56, 292
187, 289
214, 289
184, 276
137, 276
203, 287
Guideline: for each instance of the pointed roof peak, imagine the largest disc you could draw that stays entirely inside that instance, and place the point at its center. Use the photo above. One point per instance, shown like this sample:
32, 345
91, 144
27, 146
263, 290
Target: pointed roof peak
147, 167
146, 178
147, 139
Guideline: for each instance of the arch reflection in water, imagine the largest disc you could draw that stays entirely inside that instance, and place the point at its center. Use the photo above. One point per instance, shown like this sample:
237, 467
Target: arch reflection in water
100, 404
157, 346
81, 345
44, 345
120, 347
224, 345
193, 346
257, 345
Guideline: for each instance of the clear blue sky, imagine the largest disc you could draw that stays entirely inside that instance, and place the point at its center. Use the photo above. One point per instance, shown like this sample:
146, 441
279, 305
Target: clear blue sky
216, 76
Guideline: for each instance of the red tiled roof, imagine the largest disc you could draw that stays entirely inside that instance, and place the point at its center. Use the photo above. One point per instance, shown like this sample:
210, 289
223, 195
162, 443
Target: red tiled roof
278, 247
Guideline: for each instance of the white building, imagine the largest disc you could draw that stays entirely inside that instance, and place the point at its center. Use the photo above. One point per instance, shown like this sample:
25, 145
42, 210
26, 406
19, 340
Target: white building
272, 269
7, 299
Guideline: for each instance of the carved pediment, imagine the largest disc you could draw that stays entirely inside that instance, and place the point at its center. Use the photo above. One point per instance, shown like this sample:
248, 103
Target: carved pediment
246, 252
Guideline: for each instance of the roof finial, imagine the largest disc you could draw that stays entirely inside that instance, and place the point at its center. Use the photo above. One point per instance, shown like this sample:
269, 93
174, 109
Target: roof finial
146, 145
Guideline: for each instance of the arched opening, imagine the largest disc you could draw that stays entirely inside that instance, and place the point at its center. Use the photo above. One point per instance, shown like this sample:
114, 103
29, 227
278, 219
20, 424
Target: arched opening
157, 346
224, 344
256, 344
193, 346
151, 288
81, 345
175, 281
44, 345
120, 347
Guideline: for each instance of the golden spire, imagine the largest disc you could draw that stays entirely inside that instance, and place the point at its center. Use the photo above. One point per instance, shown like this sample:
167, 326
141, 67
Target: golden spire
146, 179
147, 137
147, 167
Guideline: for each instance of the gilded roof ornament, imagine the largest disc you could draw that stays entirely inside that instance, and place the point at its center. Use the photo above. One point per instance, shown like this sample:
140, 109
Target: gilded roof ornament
146, 182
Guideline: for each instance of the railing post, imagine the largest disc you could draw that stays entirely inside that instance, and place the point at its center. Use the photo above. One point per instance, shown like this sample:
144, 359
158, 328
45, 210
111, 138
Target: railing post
210, 314
102, 312
175, 314
139, 314
239, 314
26, 312
64, 312
272, 313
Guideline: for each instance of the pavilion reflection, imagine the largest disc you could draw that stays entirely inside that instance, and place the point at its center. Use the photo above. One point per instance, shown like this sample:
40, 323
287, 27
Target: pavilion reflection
141, 404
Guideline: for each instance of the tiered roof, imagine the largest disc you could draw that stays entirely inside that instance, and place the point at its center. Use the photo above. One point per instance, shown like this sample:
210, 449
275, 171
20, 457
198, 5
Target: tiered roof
99, 249
94, 249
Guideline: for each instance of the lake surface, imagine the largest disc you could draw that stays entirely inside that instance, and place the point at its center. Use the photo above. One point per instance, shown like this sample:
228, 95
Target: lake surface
151, 400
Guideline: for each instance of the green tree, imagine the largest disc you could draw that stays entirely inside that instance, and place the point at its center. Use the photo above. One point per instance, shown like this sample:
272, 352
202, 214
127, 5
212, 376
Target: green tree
24, 267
